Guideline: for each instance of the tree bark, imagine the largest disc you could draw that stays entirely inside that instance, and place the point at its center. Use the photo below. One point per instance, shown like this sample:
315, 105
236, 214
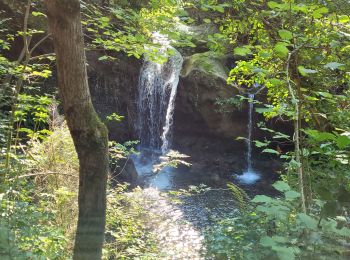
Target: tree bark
88, 132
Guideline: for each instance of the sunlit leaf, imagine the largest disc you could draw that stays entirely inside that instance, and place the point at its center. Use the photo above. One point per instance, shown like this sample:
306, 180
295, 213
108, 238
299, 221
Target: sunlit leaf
281, 186
268, 150
281, 49
242, 51
285, 34
304, 71
333, 65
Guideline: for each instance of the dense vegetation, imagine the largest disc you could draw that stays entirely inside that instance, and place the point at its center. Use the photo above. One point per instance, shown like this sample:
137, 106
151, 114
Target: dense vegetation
297, 52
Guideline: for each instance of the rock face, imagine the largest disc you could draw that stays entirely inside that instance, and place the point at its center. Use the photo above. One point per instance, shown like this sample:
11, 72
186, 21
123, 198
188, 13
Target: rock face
202, 86
113, 87
202, 128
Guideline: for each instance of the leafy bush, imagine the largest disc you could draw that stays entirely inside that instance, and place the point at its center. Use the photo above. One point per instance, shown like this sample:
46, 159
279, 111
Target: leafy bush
39, 206
273, 228
38, 203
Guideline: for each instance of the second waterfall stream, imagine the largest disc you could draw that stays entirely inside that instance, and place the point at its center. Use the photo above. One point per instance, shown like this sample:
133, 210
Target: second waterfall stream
249, 176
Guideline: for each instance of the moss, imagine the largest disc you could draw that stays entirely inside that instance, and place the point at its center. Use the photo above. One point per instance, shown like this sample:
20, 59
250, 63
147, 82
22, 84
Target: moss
207, 62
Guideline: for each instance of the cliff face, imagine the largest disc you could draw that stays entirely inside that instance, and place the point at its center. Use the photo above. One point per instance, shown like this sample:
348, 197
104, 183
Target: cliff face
113, 87
202, 84
202, 129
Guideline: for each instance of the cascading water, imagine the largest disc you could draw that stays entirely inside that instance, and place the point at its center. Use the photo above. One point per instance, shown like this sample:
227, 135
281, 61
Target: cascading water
155, 107
156, 101
250, 126
249, 176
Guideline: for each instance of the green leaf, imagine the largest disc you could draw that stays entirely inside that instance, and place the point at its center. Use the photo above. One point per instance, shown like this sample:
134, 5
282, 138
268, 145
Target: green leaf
320, 136
219, 8
291, 195
206, 20
281, 186
286, 253
261, 199
304, 71
280, 135
280, 239
333, 65
268, 150
38, 14
318, 13
242, 51
273, 4
275, 82
343, 141
281, 49
261, 110
343, 18
345, 232
285, 34
325, 94
307, 221
260, 144
267, 241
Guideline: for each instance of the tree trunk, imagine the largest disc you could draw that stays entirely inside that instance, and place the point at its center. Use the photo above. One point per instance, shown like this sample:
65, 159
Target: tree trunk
88, 132
297, 126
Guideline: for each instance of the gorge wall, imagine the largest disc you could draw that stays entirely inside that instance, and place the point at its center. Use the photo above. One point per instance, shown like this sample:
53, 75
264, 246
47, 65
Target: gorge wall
202, 83
202, 128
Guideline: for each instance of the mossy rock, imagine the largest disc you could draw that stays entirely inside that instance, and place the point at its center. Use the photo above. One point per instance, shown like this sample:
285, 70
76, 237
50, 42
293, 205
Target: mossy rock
212, 64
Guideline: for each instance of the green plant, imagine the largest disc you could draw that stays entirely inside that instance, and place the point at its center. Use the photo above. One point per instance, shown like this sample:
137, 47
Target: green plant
127, 234
275, 228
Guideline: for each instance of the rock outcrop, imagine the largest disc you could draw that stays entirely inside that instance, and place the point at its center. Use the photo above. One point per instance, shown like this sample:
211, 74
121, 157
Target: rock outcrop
202, 86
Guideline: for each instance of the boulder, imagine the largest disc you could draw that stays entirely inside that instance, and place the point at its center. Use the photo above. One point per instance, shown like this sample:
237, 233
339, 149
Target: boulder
202, 85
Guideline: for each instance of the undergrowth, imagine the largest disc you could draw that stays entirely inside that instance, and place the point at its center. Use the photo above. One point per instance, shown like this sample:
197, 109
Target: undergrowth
273, 228
39, 207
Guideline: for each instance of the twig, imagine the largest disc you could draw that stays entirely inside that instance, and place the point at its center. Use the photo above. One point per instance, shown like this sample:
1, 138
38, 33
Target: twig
42, 56
38, 43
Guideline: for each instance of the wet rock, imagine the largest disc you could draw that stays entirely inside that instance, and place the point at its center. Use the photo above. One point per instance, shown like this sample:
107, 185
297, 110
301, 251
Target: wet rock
113, 87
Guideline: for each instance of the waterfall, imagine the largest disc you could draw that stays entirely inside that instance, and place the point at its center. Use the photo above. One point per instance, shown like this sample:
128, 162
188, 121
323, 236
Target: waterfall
156, 100
249, 127
249, 176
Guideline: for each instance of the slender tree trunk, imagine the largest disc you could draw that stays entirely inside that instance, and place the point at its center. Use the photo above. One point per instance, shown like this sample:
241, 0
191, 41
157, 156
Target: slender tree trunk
297, 127
88, 132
